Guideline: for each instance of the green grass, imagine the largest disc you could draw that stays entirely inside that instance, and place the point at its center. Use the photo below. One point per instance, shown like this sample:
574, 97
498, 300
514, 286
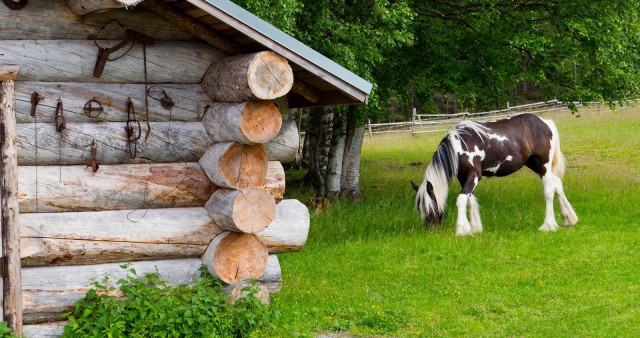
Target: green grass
371, 268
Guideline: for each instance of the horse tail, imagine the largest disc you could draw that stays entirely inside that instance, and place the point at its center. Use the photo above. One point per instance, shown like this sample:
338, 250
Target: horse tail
559, 162
432, 193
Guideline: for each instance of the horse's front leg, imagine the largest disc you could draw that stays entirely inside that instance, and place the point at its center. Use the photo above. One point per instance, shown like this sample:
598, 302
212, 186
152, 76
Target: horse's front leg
466, 199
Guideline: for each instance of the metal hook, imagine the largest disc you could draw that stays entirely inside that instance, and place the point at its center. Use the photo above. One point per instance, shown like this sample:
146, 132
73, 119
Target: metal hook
35, 99
61, 121
94, 161
131, 135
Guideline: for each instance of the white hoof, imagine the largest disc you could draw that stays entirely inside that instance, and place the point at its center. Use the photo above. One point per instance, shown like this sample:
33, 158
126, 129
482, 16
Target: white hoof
570, 220
476, 228
463, 229
548, 226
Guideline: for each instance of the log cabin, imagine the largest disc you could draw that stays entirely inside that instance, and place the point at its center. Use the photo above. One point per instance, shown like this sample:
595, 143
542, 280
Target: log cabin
150, 132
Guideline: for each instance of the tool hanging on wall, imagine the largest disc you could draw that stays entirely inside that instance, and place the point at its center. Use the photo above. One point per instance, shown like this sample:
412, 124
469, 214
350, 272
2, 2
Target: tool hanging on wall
103, 53
132, 136
165, 101
93, 106
94, 153
16, 4
35, 99
61, 121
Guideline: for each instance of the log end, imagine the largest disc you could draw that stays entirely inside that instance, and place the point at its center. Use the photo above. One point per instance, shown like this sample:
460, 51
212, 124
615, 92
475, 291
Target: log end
261, 121
238, 257
269, 76
233, 165
254, 209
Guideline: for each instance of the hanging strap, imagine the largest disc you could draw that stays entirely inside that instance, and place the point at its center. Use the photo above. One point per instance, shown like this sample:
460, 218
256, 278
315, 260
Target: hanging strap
61, 121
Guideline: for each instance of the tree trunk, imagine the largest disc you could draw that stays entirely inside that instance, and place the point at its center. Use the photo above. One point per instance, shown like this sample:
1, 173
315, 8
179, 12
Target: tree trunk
336, 153
320, 127
351, 160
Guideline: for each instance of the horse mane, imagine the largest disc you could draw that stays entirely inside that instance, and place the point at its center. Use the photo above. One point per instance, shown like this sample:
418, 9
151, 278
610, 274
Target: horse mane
439, 173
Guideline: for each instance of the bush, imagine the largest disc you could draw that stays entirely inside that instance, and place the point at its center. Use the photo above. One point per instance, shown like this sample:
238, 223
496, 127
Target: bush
150, 308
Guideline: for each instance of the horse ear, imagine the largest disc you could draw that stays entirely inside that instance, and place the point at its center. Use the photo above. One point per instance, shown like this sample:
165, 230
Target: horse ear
415, 186
430, 188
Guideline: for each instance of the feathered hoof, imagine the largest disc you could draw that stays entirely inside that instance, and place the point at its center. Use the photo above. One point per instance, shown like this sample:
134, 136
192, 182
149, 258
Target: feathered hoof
570, 221
463, 230
548, 226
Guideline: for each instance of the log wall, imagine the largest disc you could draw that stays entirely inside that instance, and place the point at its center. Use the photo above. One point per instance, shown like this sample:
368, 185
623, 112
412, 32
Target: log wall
77, 224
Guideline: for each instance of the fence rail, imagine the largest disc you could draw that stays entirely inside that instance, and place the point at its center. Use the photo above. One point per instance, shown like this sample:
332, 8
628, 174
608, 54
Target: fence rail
428, 123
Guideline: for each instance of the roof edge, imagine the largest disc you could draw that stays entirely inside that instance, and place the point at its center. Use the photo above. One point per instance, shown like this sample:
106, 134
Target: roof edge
293, 45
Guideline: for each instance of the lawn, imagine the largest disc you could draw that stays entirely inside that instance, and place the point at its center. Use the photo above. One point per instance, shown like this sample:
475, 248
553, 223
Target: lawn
371, 268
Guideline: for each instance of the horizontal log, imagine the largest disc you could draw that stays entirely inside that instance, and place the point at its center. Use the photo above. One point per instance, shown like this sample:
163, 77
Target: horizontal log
44, 330
74, 60
249, 77
275, 181
49, 291
236, 290
168, 142
190, 102
108, 236
246, 123
82, 7
284, 147
234, 257
112, 187
233, 165
289, 230
272, 276
248, 210
53, 20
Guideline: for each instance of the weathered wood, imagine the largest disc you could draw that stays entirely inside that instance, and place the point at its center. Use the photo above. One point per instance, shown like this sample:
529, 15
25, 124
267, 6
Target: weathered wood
257, 76
284, 147
194, 27
113, 187
275, 181
53, 20
74, 60
233, 165
272, 276
283, 106
113, 236
8, 72
289, 230
234, 257
235, 291
9, 208
247, 210
248, 122
307, 91
168, 142
190, 101
45, 330
52, 290
82, 7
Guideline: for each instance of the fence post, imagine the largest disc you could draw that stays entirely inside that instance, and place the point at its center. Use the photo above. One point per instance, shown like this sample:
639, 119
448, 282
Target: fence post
11, 273
413, 121
370, 132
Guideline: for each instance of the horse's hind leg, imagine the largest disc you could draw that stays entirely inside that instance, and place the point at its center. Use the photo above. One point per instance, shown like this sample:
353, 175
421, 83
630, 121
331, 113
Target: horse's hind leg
569, 217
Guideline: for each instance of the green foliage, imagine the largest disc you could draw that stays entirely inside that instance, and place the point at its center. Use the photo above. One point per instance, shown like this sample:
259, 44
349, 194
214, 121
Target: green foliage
478, 50
5, 330
149, 307
510, 280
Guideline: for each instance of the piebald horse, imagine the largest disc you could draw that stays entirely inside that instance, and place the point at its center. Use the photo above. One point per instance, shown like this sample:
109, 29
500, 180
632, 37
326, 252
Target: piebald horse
473, 150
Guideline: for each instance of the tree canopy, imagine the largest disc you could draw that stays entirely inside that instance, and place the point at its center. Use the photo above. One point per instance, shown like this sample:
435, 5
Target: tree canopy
478, 50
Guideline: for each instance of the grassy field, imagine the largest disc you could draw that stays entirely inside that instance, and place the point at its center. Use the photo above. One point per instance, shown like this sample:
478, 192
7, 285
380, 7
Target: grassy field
371, 268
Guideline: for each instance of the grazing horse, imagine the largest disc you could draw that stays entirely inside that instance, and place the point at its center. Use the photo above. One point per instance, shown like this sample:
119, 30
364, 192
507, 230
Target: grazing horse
473, 150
